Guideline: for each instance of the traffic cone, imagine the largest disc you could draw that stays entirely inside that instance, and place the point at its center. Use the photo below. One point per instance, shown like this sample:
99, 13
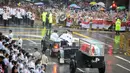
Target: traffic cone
110, 51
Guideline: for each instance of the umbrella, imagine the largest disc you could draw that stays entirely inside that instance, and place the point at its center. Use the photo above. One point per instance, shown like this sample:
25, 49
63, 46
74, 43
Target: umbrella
74, 5
121, 7
92, 3
39, 3
101, 4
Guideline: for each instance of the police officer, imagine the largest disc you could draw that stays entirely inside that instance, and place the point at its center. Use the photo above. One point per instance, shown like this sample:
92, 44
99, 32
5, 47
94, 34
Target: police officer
44, 18
118, 26
48, 23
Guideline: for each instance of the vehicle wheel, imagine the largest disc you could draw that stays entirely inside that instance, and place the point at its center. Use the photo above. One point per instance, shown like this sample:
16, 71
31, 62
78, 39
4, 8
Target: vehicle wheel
58, 58
102, 70
41, 44
72, 66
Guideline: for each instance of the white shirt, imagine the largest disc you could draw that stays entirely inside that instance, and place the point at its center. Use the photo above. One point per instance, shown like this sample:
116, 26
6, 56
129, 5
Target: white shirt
6, 61
13, 11
54, 36
10, 66
1, 11
26, 71
37, 55
10, 35
7, 50
14, 57
23, 12
18, 15
20, 42
31, 64
33, 17
1, 45
68, 37
26, 59
44, 59
5, 15
29, 15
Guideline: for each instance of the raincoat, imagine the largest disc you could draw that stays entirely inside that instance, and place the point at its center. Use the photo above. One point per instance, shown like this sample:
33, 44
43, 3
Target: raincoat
118, 25
44, 16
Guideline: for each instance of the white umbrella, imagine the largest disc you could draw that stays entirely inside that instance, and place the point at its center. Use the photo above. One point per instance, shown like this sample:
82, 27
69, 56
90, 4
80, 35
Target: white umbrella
101, 4
39, 3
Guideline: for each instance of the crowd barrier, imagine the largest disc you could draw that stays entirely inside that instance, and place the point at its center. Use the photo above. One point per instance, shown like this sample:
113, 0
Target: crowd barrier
100, 24
125, 43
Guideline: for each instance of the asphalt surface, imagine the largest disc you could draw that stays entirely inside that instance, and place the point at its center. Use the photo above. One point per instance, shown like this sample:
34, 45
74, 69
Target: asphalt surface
116, 62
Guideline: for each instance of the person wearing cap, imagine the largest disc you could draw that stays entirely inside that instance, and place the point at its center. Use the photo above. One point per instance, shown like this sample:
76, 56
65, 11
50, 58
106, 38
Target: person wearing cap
54, 36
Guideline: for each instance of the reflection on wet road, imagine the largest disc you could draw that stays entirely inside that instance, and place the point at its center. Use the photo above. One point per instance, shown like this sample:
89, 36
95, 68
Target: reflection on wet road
115, 63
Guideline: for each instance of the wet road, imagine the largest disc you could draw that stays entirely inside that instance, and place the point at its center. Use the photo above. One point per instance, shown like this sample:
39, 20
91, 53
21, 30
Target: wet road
115, 63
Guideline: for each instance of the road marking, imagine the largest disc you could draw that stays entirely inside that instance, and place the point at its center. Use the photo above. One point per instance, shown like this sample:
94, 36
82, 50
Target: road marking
51, 63
22, 28
32, 41
76, 33
123, 59
107, 37
24, 32
80, 70
87, 37
27, 39
123, 67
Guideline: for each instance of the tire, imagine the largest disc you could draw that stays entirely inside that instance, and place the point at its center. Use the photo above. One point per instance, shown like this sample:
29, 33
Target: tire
72, 66
41, 44
102, 70
58, 58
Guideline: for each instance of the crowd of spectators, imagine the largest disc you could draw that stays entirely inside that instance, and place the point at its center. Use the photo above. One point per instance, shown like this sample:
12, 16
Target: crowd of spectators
15, 59
57, 9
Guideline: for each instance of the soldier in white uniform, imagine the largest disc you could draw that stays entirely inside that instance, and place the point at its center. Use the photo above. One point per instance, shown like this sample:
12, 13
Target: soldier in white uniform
19, 16
1, 14
54, 36
67, 37
5, 17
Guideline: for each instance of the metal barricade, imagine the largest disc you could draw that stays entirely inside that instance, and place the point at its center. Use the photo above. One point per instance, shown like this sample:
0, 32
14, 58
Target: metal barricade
125, 43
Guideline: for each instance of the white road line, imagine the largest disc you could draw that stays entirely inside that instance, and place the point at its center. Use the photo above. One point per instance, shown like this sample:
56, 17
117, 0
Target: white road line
123, 67
32, 41
107, 37
80, 70
123, 59
51, 63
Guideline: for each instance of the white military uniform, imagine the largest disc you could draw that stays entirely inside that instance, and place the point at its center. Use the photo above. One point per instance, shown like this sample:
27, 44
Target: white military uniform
68, 37
54, 36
